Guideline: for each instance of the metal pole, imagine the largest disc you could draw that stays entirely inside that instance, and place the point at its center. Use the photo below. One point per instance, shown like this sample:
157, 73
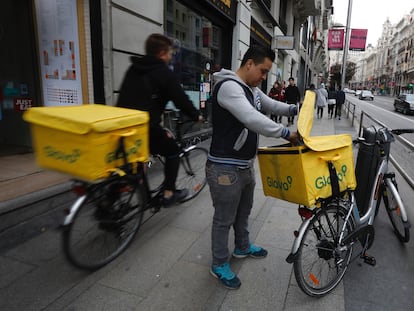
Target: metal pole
347, 36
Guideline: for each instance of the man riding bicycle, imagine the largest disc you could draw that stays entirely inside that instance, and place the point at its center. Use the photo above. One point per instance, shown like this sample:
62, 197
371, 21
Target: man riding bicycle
149, 85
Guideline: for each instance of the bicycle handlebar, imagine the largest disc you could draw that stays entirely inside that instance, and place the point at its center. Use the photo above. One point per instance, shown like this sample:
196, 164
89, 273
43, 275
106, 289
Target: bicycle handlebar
402, 131
361, 140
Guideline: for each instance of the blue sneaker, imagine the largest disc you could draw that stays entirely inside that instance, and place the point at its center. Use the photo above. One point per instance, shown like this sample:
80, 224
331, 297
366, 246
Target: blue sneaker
226, 276
253, 251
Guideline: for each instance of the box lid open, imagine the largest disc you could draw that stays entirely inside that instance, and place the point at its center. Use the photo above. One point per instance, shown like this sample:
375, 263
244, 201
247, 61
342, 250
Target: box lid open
305, 123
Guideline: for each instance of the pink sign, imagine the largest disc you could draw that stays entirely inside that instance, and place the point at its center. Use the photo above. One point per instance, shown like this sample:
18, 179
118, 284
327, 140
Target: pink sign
336, 39
358, 39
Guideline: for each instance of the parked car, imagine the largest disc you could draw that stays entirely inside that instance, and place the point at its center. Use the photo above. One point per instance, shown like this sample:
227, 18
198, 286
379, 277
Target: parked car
404, 103
357, 92
349, 91
365, 94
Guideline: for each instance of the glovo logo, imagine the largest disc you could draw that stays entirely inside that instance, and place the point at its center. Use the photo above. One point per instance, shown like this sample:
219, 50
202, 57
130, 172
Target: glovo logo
323, 181
52, 152
111, 156
279, 184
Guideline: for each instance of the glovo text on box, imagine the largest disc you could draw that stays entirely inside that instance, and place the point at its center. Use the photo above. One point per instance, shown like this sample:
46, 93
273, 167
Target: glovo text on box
76, 154
320, 182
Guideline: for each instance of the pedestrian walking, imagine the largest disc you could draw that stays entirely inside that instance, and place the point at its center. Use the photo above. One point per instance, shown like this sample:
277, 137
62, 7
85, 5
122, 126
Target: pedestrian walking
331, 101
230, 165
292, 95
275, 93
340, 100
321, 100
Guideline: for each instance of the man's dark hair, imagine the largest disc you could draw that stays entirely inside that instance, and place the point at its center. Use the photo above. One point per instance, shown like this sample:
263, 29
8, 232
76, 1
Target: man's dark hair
292, 78
156, 43
258, 55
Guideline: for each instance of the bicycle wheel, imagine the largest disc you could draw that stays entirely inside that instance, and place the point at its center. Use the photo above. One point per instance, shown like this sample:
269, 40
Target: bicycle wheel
320, 263
105, 222
191, 174
394, 211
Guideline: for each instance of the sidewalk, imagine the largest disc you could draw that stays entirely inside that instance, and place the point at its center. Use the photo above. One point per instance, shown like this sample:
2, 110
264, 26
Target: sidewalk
167, 265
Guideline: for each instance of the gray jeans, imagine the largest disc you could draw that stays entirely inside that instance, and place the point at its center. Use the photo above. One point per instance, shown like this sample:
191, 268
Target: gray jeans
231, 190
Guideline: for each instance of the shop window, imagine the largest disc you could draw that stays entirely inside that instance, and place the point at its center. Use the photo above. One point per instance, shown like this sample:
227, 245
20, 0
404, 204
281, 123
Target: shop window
198, 44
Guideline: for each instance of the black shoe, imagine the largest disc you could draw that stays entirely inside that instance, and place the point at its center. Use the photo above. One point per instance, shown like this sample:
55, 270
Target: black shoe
178, 196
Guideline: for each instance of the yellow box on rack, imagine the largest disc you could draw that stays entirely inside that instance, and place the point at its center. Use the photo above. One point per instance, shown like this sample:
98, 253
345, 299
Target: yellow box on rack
82, 140
301, 175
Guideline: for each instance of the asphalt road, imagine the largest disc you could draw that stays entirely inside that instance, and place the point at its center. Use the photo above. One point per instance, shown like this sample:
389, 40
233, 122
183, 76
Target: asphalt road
389, 285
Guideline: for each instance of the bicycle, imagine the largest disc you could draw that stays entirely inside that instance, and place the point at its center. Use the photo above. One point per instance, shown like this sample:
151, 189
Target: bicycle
107, 215
324, 243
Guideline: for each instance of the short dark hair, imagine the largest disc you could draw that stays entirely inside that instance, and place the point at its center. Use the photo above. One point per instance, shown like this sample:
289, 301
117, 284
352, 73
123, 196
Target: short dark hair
156, 43
258, 54
291, 78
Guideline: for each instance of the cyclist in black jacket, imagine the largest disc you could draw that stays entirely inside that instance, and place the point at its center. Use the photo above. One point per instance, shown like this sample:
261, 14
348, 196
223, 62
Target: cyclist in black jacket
149, 85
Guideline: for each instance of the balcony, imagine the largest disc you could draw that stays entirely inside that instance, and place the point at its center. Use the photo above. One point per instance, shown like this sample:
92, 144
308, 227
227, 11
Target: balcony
305, 8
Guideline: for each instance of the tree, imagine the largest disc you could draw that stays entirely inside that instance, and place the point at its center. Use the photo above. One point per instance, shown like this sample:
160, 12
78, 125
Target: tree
336, 72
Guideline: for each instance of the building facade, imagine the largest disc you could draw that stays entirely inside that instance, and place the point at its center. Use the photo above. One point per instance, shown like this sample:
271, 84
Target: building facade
77, 51
388, 68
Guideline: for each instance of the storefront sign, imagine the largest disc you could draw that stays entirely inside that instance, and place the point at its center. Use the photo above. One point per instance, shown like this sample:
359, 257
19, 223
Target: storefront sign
57, 29
285, 42
227, 7
22, 103
259, 34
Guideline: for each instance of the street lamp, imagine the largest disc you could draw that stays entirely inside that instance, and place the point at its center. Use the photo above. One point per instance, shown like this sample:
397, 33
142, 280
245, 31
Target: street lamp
347, 36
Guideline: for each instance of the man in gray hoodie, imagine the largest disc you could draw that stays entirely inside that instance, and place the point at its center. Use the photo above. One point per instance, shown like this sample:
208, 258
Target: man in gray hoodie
237, 121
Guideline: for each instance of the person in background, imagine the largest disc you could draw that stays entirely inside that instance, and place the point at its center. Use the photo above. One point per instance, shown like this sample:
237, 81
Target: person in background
275, 93
331, 101
149, 85
282, 98
340, 100
292, 95
237, 121
321, 100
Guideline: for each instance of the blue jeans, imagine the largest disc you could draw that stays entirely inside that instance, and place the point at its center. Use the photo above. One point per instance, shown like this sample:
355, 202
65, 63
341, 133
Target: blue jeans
231, 190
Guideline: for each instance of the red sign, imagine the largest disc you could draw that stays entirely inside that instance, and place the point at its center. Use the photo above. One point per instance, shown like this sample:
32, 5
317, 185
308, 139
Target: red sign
207, 37
336, 39
358, 39
22, 103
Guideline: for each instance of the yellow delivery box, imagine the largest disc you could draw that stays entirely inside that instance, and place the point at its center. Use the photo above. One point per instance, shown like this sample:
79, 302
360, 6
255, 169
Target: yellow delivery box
82, 140
300, 174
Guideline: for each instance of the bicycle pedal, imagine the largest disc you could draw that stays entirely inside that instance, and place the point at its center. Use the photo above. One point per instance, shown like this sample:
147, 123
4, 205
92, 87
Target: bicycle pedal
370, 260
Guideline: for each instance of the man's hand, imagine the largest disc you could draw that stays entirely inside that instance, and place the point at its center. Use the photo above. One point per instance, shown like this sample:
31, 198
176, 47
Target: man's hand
294, 138
200, 118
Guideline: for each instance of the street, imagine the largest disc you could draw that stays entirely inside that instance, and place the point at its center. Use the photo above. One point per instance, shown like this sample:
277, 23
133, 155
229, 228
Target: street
388, 285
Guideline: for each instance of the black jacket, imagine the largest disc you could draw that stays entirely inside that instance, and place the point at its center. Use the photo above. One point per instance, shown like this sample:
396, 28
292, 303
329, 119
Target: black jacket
292, 94
149, 85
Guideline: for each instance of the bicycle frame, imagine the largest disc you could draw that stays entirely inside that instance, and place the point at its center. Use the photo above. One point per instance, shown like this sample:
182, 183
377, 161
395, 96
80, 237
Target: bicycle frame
359, 221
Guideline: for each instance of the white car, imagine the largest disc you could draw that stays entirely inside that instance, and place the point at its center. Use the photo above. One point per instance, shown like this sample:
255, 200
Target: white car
365, 94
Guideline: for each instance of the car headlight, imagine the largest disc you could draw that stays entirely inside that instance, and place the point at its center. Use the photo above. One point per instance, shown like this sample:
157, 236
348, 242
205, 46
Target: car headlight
412, 106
